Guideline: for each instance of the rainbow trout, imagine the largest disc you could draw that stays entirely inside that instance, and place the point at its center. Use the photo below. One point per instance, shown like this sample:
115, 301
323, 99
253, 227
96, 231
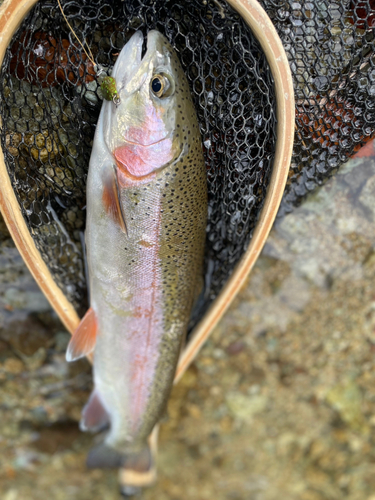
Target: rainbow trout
145, 235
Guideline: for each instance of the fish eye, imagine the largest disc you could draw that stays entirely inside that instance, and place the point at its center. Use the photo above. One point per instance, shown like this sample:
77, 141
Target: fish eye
157, 85
161, 85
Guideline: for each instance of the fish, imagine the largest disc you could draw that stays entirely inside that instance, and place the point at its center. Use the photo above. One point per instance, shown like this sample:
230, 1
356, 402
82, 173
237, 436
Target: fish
145, 241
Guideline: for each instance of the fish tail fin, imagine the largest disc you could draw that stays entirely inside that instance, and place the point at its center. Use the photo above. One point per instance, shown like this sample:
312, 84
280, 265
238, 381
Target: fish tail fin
103, 457
106, 457
136, 469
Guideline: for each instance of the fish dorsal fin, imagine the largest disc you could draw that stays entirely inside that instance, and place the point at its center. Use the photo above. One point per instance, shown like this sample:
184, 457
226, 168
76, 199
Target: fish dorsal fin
94, 416
111, 197
84, 338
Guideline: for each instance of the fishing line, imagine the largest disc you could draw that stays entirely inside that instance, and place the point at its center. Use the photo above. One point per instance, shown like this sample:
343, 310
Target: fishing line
79, 41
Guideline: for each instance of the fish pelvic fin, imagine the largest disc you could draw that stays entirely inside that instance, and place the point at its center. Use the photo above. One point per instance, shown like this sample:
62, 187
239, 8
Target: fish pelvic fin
84, 338
112, 199
106, 457
94, 416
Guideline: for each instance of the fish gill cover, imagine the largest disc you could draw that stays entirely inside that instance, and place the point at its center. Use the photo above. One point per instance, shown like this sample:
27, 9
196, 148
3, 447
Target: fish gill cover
50, 103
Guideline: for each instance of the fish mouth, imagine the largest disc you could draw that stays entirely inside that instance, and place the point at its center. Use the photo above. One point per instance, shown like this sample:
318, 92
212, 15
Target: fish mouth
129, 70
129, 60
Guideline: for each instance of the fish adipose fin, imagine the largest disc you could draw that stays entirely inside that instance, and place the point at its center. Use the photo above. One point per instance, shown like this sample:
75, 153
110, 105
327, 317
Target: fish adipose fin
105, 457
111, 197
84, 338
94, 416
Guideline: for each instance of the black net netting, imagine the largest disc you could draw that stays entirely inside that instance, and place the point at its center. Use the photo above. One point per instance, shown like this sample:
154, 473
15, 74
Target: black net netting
50, 102
330, 47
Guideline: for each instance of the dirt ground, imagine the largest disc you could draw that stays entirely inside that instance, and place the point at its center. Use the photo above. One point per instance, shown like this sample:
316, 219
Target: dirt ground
280, 403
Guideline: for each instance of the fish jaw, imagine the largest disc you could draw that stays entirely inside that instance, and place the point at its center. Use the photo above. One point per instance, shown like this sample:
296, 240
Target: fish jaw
128, 61
156, 56
126, 65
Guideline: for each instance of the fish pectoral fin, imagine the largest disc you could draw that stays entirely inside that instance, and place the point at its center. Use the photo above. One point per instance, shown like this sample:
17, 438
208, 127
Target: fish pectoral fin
94, 416
84, 338
112, 197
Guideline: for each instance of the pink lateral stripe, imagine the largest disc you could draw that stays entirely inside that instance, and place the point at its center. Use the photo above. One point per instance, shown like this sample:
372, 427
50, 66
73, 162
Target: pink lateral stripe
146, 327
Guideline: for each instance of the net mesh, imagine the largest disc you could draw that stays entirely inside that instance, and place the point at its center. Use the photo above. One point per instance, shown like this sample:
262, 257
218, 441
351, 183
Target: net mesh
330, 47
50, 102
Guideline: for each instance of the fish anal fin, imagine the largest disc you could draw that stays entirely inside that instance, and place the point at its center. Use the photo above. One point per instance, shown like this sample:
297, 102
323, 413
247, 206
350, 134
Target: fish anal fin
84, 338
111, 197
94, 416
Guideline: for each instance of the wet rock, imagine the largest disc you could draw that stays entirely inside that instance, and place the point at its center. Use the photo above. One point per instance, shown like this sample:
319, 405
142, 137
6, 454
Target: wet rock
11, 494
367, 195
13, 366
354, 177
36, 360
295, 293
245, 407
26, 335
235, 347
29, 300
61, 341
347, 400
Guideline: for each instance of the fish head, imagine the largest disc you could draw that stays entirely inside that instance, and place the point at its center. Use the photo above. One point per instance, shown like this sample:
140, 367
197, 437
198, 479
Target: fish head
141, 131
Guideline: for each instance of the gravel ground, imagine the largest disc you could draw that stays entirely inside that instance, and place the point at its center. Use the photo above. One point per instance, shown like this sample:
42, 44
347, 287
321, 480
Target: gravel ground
280, 402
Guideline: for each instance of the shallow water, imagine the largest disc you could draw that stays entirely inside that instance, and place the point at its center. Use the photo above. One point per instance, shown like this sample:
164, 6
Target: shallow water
280, 402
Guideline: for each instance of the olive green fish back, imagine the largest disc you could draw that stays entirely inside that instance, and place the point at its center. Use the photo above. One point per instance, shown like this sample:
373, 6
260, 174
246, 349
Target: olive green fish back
182, 238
